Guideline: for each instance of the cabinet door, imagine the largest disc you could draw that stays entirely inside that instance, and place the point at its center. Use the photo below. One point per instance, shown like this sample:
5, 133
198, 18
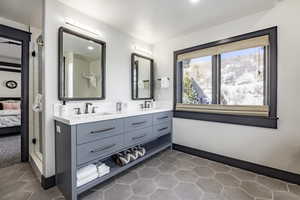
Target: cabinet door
98, 130
138, 137
138, 122
162, 117
162, 129
99, 148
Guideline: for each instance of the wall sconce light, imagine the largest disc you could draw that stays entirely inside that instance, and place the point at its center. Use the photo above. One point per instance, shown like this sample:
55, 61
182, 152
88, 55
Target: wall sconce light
142, 50
85, 28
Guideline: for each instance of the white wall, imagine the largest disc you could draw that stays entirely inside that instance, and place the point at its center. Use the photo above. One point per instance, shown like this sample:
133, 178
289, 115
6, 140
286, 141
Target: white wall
275, 148
119, 49
14, 24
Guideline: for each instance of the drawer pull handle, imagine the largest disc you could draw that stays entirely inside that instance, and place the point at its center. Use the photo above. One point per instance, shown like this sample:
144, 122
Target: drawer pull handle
165, 117
139, 137
138, 123
162, 129
102, 148
103, 130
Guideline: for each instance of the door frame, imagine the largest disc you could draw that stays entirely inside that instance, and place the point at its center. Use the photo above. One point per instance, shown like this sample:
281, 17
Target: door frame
23, 37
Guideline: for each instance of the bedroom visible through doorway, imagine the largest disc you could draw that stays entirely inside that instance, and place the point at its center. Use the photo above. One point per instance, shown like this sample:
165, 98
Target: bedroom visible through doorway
10, 101
14, 95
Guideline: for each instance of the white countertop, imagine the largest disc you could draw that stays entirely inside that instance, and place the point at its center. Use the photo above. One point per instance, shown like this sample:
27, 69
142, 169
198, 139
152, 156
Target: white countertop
86, 118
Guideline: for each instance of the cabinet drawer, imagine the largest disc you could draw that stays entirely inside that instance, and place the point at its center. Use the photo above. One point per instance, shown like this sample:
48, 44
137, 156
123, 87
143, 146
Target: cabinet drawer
98, 130
138, 136
162, 117
162, 129
99, 149
138, 122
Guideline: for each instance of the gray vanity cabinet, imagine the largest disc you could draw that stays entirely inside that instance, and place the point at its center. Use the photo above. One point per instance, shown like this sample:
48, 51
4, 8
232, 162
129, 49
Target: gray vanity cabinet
82, 144
138, 136
162, 117
98, 130
138, 122
95, 150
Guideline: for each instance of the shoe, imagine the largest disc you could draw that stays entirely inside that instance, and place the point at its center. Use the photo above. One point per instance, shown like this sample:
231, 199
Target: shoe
141, 151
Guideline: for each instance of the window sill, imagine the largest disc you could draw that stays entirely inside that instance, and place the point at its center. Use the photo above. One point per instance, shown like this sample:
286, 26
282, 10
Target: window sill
265, 122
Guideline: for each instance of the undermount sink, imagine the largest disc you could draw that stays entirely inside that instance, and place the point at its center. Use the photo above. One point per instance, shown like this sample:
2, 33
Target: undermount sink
104, 113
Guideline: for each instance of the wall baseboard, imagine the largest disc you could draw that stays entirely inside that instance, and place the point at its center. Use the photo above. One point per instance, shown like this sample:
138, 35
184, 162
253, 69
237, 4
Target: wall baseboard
259, 169
48, 182
35, 168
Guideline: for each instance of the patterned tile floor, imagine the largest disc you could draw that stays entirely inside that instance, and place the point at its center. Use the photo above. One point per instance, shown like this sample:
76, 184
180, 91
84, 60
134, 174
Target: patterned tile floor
18, 182
10, 150
167, 176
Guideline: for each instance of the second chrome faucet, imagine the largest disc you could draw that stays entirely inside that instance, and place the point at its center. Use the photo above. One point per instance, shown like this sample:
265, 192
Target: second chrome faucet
87, 106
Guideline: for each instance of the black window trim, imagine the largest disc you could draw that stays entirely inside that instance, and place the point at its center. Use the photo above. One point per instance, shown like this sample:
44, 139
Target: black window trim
265, 122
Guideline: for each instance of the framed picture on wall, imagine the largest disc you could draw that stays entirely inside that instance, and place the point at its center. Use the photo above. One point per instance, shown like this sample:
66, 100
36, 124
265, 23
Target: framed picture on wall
11, 84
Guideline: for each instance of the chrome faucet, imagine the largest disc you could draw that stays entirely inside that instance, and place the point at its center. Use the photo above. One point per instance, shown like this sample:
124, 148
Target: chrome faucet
87, 105
147, 104
119, 106
94, 109
77, 111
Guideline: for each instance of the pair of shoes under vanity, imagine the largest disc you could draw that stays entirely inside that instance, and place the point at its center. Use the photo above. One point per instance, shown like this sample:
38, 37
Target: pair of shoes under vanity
130, 155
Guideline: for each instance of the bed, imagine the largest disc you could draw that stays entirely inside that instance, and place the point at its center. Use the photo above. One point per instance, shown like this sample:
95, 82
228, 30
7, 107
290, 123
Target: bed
10, 121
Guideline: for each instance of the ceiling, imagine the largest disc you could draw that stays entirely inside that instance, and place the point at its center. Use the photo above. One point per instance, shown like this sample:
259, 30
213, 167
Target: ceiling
156, 20
28, 12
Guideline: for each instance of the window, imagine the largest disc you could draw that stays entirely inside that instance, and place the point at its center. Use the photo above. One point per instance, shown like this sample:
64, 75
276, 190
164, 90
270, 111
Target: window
197, 81
242, 77
231, 81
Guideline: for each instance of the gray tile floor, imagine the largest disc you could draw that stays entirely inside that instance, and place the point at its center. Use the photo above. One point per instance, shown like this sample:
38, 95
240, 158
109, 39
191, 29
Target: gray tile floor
169, 175
18, 182
10, 150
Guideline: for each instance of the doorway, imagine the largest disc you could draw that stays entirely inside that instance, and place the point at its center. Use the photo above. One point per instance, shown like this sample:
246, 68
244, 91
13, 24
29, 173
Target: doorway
14, 98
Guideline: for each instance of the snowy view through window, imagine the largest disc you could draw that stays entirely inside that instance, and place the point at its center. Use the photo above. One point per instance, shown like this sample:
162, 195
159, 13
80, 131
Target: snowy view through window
197, 80
242, 78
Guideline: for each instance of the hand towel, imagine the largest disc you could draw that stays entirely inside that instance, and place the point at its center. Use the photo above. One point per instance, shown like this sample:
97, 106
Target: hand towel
93, 81
141, 84
37, 105
165, 82
86, 180
86, 171
102, 166
103, 172
103, 169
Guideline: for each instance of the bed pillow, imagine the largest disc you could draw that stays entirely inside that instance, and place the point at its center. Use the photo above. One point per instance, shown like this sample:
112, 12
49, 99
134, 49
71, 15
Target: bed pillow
11, 105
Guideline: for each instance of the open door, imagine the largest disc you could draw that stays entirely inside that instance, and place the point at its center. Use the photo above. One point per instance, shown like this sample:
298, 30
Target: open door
17, 38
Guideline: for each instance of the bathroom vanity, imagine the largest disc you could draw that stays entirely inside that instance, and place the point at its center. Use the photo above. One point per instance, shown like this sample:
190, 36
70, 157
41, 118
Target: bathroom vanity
114, 140
83, 140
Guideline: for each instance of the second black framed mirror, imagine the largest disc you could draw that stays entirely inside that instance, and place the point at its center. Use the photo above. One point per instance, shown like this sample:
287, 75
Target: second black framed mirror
142, 77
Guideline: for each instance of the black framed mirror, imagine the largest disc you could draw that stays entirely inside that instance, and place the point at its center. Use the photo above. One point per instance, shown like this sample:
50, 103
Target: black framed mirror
142, 78
81, 66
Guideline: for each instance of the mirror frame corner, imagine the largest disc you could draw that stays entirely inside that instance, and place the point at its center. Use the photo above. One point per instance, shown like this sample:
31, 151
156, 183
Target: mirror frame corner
133, 55
61, 31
